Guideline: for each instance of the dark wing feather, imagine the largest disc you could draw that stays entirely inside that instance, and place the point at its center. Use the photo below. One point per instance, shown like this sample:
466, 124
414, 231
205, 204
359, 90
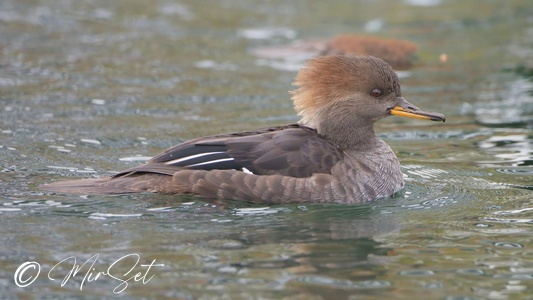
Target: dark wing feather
295, 152
188, 148
291, 150
158, 168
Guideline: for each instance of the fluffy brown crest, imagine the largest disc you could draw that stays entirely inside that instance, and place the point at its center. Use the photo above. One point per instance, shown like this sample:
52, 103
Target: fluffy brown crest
327, 79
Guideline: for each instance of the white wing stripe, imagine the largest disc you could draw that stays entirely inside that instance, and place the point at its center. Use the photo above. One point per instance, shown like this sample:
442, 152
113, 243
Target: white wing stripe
245, 170
211, 162
178, 160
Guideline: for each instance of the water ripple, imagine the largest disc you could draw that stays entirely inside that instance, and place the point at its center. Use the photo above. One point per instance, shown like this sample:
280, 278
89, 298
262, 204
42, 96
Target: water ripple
104, 216
517, 216
254, 211
345, 284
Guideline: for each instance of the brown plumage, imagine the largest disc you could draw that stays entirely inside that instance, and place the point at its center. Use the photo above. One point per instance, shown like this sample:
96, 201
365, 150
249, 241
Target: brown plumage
333, 155
398, 53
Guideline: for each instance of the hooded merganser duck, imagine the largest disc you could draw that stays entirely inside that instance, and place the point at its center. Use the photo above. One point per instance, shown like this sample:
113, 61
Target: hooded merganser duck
400, 54
331, 156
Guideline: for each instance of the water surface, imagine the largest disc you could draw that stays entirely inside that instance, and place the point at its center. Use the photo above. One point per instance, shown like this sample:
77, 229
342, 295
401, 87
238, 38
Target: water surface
88, 88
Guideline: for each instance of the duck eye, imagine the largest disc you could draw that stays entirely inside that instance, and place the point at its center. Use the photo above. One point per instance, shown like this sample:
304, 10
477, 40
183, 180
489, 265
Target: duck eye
376, 93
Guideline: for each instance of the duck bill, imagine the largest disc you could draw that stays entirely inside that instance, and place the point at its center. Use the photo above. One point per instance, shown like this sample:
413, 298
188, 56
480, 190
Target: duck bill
408, 110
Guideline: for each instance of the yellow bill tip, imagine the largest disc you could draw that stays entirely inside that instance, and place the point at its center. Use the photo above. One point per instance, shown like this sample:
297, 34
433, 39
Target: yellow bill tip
417, 114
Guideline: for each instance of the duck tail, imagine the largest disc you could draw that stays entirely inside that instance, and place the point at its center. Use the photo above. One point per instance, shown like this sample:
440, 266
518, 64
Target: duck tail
90, 186
122, 184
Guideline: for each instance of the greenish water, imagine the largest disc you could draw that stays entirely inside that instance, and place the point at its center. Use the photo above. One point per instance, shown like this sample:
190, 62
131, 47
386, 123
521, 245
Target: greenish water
91, 87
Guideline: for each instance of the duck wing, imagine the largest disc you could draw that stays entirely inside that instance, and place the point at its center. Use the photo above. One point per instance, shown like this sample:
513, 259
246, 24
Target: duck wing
292, 150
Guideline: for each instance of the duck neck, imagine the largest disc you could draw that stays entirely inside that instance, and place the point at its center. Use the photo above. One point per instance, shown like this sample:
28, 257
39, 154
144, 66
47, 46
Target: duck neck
352, 135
